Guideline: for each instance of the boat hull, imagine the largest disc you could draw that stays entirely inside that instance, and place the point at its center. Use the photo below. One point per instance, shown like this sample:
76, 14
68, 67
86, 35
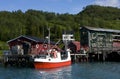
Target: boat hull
48, 65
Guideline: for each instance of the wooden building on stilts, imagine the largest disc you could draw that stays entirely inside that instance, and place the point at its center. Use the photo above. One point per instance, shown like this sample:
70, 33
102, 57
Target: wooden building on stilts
101, 44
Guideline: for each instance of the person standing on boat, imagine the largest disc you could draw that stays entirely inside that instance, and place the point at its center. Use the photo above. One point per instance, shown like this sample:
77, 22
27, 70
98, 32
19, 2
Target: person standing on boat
54, 53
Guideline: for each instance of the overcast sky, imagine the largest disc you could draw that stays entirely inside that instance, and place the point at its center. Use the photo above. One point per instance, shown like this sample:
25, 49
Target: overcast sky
57, 6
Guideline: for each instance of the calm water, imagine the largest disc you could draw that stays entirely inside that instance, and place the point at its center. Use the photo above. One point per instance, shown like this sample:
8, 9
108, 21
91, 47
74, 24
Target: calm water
75, 71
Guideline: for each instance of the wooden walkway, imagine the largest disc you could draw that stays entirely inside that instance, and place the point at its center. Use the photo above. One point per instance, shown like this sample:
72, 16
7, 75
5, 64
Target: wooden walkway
79, 57
18, 60
78, 54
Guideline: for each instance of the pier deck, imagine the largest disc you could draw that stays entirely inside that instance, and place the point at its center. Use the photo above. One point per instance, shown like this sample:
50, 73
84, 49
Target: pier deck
79, 57
18, 60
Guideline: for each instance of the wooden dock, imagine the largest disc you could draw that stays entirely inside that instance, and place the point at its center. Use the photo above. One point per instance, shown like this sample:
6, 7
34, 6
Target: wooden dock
18, 60
79, 57
28, 60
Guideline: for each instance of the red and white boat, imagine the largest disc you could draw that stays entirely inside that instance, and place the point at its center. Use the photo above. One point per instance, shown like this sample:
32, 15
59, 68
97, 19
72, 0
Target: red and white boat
52, 59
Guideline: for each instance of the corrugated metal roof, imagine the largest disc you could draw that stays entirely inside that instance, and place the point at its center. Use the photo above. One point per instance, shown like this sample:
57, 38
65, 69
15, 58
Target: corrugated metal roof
35, 39
101, 29
32, 38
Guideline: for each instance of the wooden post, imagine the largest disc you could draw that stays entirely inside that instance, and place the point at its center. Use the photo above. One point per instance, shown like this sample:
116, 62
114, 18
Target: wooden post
87, 56
98, 56
104, 55
75, 57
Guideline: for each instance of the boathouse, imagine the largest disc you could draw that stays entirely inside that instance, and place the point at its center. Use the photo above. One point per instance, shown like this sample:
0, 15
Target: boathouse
99, 41
28, 45
24, 48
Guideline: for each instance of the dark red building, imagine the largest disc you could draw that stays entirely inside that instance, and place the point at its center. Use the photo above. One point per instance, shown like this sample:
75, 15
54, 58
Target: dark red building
28, 45
74, 46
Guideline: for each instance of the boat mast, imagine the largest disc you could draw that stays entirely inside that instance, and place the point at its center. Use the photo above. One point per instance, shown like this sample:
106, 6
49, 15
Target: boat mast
65, 40
48, 38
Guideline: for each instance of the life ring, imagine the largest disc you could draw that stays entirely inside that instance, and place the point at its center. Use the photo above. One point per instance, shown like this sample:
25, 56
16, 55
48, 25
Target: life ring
45, 46
37, 45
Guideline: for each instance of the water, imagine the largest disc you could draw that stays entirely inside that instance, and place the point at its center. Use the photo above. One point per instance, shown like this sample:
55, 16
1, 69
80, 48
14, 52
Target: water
107, 70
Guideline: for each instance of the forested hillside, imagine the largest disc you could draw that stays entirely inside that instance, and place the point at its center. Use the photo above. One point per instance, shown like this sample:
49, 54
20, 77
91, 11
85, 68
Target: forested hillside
97, 16
35, 23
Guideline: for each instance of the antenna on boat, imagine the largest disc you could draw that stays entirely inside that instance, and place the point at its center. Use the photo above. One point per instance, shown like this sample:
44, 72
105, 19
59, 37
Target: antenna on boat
49, 38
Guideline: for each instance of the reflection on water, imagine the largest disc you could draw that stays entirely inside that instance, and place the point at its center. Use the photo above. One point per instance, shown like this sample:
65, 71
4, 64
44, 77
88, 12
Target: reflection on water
57, 73
106, 70
27, 73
